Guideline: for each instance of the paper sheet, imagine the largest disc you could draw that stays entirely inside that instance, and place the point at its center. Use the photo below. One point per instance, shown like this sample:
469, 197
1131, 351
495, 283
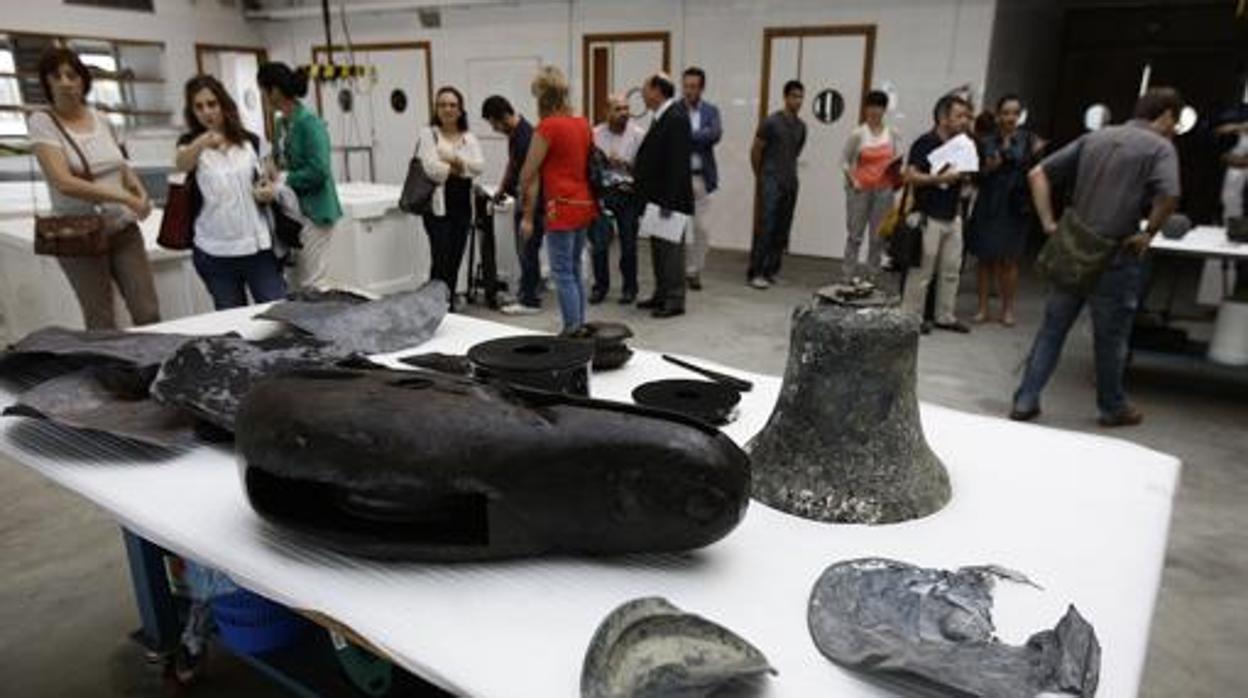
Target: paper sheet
959, 153
653, 224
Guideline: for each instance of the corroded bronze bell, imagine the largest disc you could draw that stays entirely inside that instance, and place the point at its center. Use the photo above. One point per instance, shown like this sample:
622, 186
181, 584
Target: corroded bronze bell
844, 442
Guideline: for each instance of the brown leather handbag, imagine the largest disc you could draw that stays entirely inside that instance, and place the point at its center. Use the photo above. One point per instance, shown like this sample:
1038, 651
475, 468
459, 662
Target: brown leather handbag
80, 235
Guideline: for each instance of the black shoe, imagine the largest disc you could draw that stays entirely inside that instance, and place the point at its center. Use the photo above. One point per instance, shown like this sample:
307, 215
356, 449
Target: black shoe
628, 298
650, 304
925, 328
954, 326
694, 283
597, 296
1024, 415
662, 313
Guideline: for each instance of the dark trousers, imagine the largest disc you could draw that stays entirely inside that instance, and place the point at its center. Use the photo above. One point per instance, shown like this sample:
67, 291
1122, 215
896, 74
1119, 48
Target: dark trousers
230, 278
771, 242
448, 239
625, 213
530, 254
668, 259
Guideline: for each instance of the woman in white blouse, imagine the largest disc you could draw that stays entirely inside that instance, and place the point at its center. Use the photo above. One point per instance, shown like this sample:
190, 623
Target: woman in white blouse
452, 158
233, 240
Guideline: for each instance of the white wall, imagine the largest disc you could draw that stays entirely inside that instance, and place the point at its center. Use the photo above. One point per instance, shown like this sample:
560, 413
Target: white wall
924, 47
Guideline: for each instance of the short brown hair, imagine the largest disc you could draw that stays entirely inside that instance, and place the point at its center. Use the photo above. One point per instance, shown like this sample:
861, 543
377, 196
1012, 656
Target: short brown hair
551, 89
1157, 101
52, 60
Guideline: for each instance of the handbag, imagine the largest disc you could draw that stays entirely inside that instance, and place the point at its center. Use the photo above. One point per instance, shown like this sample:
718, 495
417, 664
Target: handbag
74, 235
905, 233
418, 187
1074, 256
176, 227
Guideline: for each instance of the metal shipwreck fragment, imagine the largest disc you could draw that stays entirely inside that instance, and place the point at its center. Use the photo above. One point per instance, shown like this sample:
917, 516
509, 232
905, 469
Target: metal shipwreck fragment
648, 648
209, 376
107, 400
422, 465
52, 351
395, 322
844, 443
931, 632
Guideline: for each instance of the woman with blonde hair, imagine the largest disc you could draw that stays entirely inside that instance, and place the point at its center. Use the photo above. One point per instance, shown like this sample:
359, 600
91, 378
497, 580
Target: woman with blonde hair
559, 154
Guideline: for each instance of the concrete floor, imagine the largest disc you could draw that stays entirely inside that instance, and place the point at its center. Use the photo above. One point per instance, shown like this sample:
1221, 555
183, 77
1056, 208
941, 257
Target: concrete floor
66, 606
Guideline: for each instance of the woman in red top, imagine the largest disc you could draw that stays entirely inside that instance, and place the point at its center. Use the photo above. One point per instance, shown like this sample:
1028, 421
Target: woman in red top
560, 154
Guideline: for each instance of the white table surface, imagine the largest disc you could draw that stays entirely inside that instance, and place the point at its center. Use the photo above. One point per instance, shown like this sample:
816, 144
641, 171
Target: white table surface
362, 200
1203, 241
1086, 517
19, 232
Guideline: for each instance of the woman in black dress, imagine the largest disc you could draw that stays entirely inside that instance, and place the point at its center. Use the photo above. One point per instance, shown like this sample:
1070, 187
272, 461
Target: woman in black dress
1002, 216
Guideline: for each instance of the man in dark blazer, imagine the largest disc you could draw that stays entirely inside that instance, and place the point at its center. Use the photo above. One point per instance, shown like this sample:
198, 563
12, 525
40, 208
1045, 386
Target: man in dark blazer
663, 178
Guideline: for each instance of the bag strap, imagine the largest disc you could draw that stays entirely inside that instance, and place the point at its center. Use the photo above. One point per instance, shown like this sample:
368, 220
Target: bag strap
86, 166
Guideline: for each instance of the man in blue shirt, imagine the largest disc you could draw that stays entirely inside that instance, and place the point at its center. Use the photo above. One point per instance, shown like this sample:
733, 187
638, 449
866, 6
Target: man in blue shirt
707, 130
504, 120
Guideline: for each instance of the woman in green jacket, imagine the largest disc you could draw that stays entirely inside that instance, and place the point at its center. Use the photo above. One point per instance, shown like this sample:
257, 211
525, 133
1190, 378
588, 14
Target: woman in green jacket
302, 151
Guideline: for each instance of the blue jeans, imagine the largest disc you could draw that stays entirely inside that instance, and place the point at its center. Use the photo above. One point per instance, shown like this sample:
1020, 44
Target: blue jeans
769, 246
1113, 305
564, 248
230, 278
530, 254
625, 213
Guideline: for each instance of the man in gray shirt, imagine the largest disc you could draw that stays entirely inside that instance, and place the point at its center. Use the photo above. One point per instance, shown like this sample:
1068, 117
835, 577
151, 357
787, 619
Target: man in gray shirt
1116, 172
777, 145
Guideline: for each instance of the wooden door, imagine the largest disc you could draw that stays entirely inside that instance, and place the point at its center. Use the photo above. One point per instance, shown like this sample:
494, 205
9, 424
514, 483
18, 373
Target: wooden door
837, 60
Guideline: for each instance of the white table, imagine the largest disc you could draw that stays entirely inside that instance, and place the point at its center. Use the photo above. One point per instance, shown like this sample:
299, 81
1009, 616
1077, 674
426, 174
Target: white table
1086, 517
1208, 242
34, 292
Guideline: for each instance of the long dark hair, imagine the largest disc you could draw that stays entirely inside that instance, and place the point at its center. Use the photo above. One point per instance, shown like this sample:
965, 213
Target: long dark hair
291, 83
232, 123
462, 122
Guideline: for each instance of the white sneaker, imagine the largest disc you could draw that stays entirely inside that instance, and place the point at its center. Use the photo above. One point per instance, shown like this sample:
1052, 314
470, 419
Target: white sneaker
760, 283
519, 309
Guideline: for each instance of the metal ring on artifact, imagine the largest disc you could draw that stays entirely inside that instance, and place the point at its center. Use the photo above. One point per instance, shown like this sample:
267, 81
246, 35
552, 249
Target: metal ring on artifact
712, 403
537, 361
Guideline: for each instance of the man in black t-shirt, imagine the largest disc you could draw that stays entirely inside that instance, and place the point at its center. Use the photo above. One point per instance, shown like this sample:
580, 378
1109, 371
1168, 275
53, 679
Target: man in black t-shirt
777, 146
936, 197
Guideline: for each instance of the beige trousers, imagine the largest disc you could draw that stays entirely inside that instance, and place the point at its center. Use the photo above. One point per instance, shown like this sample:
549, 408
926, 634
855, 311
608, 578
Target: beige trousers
126, 264
942, 256
311, 269
701, 236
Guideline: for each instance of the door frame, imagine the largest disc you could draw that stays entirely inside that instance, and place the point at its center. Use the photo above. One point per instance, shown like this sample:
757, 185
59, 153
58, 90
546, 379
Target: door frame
617, 38
262, 57
427, 47
261, 53
868, 31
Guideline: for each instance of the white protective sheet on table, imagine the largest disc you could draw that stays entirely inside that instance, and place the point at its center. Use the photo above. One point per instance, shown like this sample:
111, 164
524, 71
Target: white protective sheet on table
1085, 517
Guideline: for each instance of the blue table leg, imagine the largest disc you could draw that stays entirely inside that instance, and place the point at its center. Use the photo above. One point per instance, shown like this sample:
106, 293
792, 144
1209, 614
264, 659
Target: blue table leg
157, 609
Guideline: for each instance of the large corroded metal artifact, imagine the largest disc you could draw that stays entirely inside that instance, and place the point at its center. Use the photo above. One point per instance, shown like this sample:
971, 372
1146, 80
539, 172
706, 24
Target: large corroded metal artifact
423, 465
648, 648
53, 351
844, 442
930, 632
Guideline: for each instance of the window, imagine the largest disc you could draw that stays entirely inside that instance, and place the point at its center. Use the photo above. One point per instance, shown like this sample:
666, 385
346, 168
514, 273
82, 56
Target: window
12, 123
105, 92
